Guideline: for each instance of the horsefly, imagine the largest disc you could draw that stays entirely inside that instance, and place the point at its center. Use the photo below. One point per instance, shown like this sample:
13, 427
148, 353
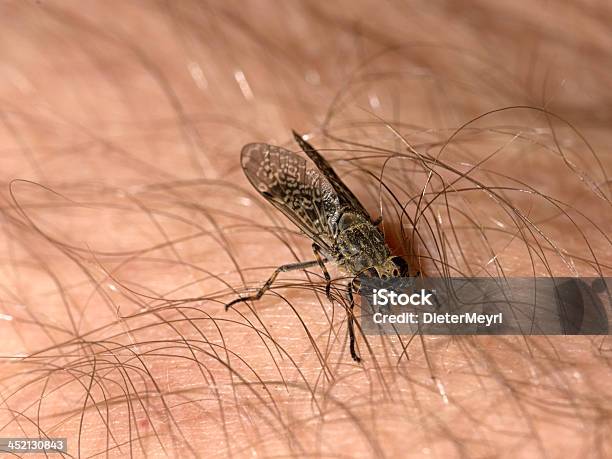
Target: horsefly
317, 201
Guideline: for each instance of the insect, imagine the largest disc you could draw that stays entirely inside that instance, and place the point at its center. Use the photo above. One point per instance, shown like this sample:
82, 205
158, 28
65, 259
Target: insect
316, 200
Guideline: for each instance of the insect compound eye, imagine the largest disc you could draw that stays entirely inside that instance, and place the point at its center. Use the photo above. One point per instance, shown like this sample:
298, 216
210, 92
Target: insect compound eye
401, 267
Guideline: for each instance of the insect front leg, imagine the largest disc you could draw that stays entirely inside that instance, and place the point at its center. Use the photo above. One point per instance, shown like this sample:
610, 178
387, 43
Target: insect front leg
317, 251
351, 325
281, 269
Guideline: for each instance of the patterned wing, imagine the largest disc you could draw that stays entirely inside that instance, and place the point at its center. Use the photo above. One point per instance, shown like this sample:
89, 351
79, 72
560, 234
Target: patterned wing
303, 194
347, 198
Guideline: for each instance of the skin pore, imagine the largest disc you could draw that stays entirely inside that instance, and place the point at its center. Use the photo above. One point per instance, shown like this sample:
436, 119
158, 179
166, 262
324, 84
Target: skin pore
127, 224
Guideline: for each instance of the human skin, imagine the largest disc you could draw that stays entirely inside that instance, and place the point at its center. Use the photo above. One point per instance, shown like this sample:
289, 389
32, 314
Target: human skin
127, 224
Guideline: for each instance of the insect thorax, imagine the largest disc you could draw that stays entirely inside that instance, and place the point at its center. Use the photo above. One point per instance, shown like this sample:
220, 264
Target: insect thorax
359, 244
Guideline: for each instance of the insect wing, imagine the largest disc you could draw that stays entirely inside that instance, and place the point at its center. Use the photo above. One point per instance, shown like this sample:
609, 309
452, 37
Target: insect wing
347, 198
303, 194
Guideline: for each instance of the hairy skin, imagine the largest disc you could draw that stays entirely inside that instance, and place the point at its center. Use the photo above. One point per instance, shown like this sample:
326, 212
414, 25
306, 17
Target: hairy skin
127, 224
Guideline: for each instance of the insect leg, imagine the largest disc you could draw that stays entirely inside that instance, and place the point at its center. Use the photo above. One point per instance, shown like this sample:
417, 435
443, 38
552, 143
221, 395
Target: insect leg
270, 281
351, 325
317, 251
